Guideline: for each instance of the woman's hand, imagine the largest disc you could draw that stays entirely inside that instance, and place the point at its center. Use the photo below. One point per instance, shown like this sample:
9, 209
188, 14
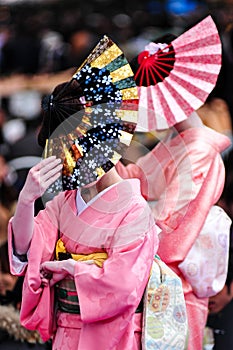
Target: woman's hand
40, 177
54, 271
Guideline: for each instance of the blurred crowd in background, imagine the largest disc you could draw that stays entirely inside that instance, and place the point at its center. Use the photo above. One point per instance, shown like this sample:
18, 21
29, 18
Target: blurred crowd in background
41, 45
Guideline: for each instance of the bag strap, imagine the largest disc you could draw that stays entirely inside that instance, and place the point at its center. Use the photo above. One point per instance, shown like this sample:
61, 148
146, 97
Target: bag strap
158, 261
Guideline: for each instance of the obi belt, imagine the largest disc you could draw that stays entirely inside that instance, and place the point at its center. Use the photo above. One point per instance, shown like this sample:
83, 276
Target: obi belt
66, 293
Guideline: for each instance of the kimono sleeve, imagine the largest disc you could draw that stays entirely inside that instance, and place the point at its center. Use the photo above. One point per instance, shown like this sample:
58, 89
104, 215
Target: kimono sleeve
182, 221
37, 301
18, 264
37, 308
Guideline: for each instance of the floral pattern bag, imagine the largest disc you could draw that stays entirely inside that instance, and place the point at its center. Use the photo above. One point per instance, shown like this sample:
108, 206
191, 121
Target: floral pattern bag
164, 310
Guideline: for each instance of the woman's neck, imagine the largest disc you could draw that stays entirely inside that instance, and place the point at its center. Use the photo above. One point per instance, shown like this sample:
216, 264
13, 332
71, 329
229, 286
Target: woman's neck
110, 178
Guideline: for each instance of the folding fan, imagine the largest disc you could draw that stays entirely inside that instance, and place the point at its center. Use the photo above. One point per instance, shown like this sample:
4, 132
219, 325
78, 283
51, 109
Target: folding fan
91, 141
175, 78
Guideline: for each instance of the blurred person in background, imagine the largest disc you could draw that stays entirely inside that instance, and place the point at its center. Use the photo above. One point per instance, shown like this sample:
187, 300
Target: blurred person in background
8, 196
21, 51
220, 318
215, 114
81, 42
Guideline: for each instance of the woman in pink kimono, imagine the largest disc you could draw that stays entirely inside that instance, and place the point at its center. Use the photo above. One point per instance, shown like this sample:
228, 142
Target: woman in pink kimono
183, 176
116, 222
87, 256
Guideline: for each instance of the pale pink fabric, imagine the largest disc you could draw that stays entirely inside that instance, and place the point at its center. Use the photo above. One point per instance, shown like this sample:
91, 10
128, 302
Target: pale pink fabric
207, 275
119, 222
185, 176
194, 75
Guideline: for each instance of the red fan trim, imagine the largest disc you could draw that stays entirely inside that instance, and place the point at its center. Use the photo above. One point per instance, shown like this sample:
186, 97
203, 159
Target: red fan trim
154, 65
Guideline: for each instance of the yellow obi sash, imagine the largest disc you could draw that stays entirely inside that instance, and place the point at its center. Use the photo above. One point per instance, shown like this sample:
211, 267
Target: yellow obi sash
66, 293
67, 297
96, 258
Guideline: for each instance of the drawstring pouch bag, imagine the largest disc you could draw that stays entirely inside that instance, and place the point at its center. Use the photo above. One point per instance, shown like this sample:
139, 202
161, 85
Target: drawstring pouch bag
164, 310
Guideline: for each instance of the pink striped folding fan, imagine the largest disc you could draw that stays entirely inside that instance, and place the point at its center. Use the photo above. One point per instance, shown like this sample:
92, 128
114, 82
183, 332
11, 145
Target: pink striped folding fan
175, 78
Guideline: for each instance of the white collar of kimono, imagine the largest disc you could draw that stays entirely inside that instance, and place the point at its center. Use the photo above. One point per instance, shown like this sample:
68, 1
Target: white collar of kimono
120, 208
82, 205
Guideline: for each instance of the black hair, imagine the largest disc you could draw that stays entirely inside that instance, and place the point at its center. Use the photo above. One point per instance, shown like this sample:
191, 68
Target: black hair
163, 71
57, 107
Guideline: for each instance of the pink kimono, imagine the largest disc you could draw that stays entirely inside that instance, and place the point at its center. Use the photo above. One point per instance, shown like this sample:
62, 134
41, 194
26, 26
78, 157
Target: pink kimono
118, 222
185, 176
